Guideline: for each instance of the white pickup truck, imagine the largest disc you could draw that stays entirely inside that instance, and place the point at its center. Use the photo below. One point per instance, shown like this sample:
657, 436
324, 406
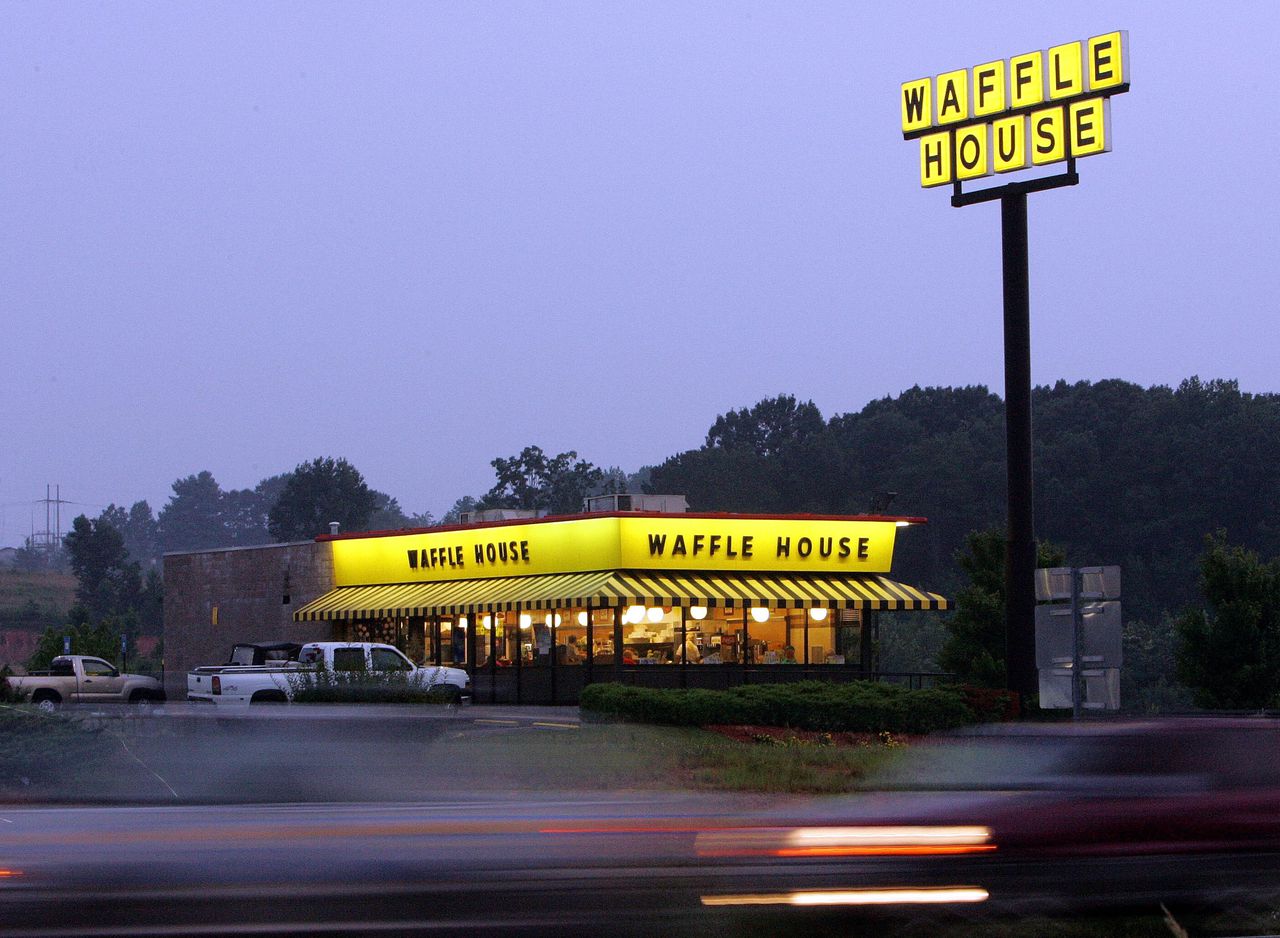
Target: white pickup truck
239, 686
84, 679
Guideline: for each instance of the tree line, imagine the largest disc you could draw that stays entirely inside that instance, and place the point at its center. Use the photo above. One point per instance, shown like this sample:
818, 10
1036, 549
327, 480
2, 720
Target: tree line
1123, 475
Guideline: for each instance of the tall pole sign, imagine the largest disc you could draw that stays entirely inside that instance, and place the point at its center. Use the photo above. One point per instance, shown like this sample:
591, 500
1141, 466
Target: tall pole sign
1038, 109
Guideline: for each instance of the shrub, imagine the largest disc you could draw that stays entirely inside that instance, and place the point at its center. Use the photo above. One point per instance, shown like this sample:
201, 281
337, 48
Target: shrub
860, 706
322, 685
7, 692
991, 705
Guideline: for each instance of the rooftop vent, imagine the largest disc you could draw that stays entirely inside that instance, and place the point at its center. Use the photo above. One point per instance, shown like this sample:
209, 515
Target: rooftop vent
667, 504
495, 514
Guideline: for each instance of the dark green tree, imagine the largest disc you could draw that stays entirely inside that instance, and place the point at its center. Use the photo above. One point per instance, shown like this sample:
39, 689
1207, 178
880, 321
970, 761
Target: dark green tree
138, 528
150, 610
466, 503
975, 651
389, 516
771, 427
1148, 680
100, 639
317, 493
532, 480
108, 582
1228, 651
194, 517
32, 558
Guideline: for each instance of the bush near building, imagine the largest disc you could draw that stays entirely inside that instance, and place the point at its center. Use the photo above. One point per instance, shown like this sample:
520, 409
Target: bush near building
323, 685
860, 706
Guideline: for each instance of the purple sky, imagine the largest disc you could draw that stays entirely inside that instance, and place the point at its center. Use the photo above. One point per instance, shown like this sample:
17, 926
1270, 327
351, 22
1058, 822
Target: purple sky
238, 236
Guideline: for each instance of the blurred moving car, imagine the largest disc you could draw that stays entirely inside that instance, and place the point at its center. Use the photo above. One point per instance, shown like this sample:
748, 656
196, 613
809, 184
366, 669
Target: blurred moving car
1042, 817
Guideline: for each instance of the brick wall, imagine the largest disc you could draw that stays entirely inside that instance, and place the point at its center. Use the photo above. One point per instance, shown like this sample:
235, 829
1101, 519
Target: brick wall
247, 586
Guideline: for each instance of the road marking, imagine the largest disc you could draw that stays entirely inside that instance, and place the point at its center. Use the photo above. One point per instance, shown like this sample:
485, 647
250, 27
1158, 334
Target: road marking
501, 722
559, 726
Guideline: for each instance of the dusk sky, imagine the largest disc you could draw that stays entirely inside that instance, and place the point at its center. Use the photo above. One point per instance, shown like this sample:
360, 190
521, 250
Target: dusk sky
238, 236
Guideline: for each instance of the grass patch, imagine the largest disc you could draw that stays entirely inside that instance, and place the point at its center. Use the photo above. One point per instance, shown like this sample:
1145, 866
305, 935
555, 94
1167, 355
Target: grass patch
43, 751
613, 756
32, 601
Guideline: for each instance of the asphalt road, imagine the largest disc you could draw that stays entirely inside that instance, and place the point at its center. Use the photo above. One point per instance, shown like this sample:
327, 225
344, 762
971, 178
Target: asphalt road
562, 865
347, 820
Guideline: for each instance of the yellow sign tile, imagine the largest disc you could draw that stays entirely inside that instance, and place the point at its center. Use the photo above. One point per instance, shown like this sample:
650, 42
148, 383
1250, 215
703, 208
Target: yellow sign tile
1048, 136
917, 107
1026, 79
988, 89
1108, 60
1089, 122
1009, 143
935, 159
953, 96
1066, 71
973, 147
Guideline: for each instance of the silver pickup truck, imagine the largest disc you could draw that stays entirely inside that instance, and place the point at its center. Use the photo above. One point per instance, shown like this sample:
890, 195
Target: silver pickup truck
84, 679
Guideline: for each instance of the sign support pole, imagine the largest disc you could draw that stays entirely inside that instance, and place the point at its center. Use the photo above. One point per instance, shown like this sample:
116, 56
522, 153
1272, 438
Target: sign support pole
1066, 117
1077, 627
1020, 556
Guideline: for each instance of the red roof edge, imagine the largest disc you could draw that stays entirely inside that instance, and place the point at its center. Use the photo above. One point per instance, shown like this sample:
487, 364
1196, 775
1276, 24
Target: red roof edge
550, 519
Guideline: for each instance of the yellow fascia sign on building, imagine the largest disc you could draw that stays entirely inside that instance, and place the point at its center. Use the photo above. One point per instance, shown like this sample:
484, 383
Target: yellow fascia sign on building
1028, 110
744, 544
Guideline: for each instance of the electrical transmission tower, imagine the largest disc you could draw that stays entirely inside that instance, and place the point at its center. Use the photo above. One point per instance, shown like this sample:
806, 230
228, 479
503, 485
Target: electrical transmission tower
49, 541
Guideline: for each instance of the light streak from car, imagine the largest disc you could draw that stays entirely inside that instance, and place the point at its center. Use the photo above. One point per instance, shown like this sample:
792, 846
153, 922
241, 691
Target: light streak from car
905, 895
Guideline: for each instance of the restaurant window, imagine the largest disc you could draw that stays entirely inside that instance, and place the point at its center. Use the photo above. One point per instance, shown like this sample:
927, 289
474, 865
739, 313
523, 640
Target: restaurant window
507, 641
834, 638
773, 635
649, 634
538, 637
602, 635
416, 644
452, 642
484, 631
571, 637
381, 631
718, 635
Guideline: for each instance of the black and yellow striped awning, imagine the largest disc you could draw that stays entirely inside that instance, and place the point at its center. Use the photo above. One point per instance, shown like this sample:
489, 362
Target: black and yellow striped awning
614, 588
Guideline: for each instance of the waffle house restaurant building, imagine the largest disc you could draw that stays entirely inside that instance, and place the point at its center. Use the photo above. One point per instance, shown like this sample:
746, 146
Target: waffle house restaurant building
535, 609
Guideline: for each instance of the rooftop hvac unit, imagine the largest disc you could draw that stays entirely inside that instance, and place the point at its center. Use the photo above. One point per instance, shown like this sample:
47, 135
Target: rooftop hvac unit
666, 504
495, 514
